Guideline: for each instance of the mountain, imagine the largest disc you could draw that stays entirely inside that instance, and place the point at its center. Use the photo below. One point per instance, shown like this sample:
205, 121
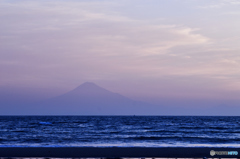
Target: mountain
90, 99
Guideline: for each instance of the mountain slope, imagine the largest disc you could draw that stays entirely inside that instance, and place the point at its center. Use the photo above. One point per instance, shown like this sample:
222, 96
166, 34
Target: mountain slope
90, 99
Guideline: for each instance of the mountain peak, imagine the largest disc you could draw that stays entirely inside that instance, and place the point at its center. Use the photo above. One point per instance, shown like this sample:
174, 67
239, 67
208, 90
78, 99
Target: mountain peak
88, 86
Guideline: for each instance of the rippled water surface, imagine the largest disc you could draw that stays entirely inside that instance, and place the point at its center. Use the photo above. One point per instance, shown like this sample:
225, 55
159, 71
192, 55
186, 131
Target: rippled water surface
121, 131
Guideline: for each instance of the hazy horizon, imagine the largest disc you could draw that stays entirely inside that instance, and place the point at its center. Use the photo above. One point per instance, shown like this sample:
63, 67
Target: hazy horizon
173, 53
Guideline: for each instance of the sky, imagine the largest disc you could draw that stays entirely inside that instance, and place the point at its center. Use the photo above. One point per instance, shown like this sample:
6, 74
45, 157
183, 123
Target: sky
150, 50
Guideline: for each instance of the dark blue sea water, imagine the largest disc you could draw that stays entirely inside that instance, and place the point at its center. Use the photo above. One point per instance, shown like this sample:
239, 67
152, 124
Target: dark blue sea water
120, 131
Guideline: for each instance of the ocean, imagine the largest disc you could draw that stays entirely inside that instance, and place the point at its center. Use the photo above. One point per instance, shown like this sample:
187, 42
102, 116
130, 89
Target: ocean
119, 131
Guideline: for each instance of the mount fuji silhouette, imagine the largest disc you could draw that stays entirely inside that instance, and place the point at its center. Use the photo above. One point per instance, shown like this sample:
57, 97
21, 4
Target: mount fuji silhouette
90, 99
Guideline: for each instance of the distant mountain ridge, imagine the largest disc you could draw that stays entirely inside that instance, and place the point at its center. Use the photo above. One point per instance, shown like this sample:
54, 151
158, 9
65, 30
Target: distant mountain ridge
90, 99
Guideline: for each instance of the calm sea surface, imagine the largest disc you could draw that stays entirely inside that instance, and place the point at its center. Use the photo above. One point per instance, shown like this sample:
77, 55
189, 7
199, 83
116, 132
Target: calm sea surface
119, 131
